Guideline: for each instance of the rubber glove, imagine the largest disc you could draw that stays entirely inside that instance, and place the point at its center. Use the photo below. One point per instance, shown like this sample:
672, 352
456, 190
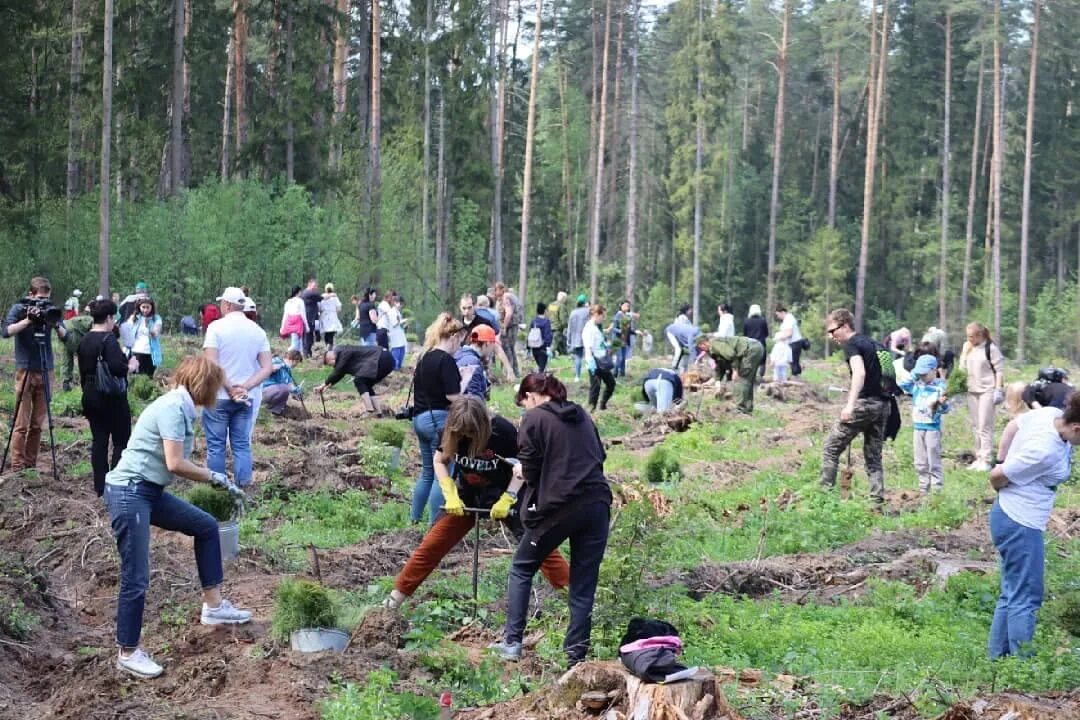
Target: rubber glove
222, 480
452, 503
999, 396
501, 509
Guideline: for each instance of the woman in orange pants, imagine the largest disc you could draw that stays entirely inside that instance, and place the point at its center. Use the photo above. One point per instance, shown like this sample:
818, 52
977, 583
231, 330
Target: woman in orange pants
481, 449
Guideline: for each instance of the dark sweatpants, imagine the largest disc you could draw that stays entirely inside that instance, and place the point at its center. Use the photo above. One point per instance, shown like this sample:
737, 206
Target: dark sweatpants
111, 421
596, 377
587, 530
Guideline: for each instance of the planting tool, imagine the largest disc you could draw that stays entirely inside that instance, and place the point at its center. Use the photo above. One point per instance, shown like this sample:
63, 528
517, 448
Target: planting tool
845, 477
323, 398
478, 512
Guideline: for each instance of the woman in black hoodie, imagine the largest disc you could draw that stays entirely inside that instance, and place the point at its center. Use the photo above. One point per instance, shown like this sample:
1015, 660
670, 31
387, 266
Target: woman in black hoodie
566, 497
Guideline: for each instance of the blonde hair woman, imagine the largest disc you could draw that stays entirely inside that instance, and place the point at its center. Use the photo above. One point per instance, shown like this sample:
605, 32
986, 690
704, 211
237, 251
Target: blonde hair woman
436, 382
158, 450
982, 360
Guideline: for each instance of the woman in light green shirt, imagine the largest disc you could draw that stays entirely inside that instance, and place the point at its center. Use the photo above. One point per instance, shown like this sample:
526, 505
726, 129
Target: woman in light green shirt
158, 450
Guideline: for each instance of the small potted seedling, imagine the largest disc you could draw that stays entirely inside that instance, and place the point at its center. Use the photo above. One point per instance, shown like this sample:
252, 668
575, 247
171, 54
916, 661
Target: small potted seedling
662, 466
224, 509
392, 435
305, 613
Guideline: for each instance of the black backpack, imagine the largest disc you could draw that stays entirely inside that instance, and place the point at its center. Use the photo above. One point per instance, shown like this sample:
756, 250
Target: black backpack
889, 385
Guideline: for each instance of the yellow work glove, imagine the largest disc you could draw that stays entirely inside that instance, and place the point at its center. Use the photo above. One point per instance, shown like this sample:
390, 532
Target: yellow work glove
501, 509
452, 503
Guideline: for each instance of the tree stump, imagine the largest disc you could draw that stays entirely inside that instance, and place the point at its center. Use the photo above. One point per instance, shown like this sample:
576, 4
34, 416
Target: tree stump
695, 698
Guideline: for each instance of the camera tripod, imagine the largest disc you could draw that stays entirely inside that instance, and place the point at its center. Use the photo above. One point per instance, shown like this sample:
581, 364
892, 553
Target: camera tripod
40, 336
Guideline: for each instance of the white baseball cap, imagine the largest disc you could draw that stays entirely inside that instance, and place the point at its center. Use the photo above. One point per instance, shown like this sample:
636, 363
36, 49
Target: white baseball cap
249, 305
77, 292
233, 295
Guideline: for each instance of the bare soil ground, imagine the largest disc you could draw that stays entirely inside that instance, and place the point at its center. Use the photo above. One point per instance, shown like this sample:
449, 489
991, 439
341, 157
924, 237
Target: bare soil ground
58, 565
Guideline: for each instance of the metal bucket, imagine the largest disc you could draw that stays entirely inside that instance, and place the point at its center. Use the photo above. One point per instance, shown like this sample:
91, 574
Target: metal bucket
229, 532
318, 640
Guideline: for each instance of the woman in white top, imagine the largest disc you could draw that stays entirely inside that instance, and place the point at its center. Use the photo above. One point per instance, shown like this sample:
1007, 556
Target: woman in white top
294, 320
396, 330
725, 326
1038, 452
382, 322
329, 321
981, 359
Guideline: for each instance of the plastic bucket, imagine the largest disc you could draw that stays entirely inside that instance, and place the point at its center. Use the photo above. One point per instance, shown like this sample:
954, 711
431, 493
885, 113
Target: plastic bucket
318, 640
395, 458
229, 532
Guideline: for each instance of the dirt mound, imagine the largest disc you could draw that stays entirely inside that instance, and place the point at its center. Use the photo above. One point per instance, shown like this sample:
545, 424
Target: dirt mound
381, 631
357, 565
922, 560
1017, 706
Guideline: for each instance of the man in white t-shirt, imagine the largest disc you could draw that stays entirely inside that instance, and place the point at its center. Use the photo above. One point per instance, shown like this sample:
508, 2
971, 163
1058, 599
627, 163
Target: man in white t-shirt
789, 332
240, 347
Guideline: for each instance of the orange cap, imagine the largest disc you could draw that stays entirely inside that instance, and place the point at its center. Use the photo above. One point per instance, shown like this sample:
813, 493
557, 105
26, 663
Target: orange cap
483, 333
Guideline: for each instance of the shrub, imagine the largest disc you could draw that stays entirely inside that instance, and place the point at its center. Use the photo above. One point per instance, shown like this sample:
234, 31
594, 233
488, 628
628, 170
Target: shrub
301, 604
388, 432
957, 382
662, 466
143, 387
214, 501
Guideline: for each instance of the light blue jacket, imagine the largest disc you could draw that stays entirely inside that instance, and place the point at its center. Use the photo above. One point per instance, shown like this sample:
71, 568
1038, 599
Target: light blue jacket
927, 405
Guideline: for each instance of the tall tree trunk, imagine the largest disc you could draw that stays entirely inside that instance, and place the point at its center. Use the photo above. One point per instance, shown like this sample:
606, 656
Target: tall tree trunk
526, 185
995, 171
969, 227
598, 183
375, 178
74, 118
1025, 206
946, 197
493, 119
571, 209
176, 131
631, 192
106, 148
778, 143
834, 141
226, 123
613, 176
240, 38
290, 124
425, 201
699, 158
499, 138
594, 115
341, 50
878, 59
273, 53
441, 210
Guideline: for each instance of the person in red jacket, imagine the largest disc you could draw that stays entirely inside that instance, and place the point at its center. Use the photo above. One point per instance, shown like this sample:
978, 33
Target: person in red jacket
210, 313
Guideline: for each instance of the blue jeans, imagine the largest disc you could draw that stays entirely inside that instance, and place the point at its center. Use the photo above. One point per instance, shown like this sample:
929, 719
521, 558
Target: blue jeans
587, 530
398, 353
621, 356
579, 357
229, 420
428, 426
296, 342
133, 508
1022, 567
660, 393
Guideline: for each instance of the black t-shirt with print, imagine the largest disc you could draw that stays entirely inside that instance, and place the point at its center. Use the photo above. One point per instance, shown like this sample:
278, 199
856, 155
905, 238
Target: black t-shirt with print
865, 348
482, 480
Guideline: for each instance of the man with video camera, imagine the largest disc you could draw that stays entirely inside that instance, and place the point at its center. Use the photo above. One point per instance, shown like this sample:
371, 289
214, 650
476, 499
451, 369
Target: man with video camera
31, 322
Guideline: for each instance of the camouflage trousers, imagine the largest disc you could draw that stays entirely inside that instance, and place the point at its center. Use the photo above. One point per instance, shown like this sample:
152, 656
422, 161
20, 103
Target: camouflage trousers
868, 419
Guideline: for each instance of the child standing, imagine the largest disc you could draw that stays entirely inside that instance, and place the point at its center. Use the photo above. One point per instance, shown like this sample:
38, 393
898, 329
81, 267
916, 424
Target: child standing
928, 403
780, 357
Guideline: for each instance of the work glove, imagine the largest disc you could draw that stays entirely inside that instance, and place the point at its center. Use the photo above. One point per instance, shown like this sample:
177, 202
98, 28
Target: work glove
501, 509
222, 480
999, 396
452, 503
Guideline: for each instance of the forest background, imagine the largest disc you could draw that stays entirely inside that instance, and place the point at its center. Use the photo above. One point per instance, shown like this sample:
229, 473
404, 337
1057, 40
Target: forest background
917, 160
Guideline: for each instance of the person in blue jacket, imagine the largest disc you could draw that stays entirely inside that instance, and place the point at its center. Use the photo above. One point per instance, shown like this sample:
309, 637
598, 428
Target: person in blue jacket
540, 337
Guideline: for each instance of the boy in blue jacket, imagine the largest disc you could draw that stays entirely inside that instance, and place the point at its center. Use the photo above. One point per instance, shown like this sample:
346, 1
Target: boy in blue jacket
928, 403
280, 385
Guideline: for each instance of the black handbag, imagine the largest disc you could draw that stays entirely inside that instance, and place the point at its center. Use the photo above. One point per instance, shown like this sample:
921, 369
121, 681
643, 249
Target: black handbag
104, 381
604, 363
407, 411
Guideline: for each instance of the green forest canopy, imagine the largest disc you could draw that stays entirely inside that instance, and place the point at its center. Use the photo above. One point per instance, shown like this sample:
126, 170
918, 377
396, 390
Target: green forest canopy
283, 178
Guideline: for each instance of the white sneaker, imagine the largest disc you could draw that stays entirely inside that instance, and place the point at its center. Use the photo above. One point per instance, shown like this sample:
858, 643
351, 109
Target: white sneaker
139, 664
224, 614
979, 466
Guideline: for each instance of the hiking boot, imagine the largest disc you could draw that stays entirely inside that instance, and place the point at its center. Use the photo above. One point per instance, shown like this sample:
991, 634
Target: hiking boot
67, 386
509, 651
139, 664
224, 614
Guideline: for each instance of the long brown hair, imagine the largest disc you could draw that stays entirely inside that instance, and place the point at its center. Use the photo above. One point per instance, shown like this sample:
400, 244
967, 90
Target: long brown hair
468, 421
201, 377
444, 327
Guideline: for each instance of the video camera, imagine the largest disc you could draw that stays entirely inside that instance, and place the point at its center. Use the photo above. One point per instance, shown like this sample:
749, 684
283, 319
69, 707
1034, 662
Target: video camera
42, 311
1052, 375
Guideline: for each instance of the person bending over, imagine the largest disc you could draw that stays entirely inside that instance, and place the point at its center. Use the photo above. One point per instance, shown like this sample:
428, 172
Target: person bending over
481, 448
368, 365
135, 492
566, 497
662, 388
280, 385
